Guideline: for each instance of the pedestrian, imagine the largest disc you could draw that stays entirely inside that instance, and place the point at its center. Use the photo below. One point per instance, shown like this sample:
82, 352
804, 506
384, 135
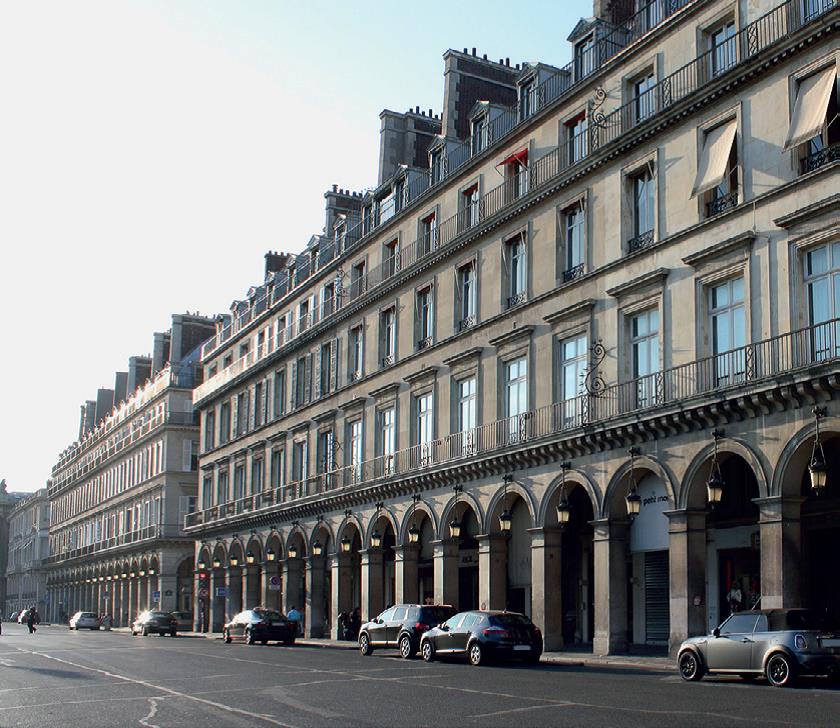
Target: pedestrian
295, 616
30, 620
355, 623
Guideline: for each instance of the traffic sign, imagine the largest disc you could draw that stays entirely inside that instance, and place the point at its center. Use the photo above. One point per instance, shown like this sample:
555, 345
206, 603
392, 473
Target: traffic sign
203, 592
221, 591
155, 596
274, 583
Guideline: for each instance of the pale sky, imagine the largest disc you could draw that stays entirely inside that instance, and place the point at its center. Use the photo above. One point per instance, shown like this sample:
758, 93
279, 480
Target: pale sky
152, 152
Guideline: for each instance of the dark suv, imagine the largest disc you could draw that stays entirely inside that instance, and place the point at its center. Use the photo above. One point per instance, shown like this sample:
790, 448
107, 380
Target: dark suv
402, 626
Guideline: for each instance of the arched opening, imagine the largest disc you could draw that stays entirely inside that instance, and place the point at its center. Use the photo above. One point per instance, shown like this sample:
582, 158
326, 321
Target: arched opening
203, 596
252, 570
294, 575
319, 584
235, 565
143, 584
418, 558
510, 556
577, 569
467, 556
272, 565
348, 588
380, 569
218, 588
184, 585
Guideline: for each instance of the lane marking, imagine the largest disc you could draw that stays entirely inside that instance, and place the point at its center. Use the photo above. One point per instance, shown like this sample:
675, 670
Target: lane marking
221, 706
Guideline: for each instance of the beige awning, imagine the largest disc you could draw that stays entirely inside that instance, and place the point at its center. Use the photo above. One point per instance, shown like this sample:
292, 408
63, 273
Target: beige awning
811, 106
716, 148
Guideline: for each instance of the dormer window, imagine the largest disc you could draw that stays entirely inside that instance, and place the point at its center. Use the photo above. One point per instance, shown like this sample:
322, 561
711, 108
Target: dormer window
479, 131
367, 219
399, 195
585, 57
436, 166
527, 99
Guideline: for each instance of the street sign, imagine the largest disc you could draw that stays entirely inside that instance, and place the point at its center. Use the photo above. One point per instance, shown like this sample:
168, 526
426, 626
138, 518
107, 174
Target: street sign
203, 592
221, 591
274, 583
155, 596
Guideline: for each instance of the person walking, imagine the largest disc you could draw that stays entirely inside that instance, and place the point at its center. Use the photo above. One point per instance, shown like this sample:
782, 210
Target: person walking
30, 620
295, 616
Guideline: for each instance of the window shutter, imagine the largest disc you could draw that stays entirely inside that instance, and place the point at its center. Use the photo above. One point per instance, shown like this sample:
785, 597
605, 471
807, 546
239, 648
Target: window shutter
252, 407
235, 408
266, 398
334, 365
293, 403
307, 382
316, 377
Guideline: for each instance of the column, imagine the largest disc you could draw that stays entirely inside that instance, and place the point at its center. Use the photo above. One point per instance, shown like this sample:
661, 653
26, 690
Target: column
314, 613
405, 574
168, 587
341, 597
291, 583
198, 605
687, 578
546, 598
781, 551
217, 604
610, 545
446, 560
492, 571
373, 593
132, 605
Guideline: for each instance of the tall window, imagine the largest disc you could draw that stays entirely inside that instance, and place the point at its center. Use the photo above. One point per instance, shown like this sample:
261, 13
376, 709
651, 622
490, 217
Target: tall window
259, 404
428, 234
278, 467
239, 481
466, 295
207, 492
644, 342
479, 127
222, 494
300, 383
325, 462
209, 430
356, 351
469, 207
516, 270
573, 364
388, 336
279, 392
325, 374
822, 277
723, 48
328, 299
399, 194
577, 135
575, 227
303, 315
644, 97
242, 413
516, 397
425, 317
467, 414
729, 330
388, 438
436, 166
643, 210
527, 99
224, 422
356, 450
257, 470
358, 279
585, 57
516, 173
300, 457
424, 425
391, 261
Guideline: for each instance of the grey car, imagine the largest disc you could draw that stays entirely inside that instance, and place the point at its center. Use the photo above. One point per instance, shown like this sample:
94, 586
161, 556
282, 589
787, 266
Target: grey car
780, 644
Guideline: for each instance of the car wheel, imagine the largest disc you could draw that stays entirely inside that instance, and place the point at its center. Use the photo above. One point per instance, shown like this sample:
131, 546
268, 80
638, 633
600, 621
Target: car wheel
249, 637
226, 637
476, 654
690, 667
145, 631
173, 633
364, 645
427, 650
406, 648
780, 671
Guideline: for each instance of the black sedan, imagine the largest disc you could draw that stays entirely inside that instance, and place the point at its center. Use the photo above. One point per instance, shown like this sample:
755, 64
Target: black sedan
260, 625
483, 636
151, 622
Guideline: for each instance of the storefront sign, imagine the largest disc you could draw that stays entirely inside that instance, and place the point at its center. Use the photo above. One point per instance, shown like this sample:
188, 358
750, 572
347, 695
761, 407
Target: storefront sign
649, 531
468, 557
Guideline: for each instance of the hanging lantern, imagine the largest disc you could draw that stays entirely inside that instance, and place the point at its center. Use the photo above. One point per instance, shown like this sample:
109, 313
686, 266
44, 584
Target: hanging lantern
250, 558
564, 509
455, 528
818, 468
234, 561
292, 552
633, 499
505, 521
375, 539
714, 486
345, 545
142, 572
131, 574
270, 555
413, 534
317, 548
151, 572
216, 563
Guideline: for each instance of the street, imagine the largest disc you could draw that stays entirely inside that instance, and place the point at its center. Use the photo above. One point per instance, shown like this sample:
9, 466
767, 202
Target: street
87, 679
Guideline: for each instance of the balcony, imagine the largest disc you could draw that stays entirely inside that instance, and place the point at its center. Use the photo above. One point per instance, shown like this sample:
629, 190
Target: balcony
825, 156
721, 204
573, 273
717, 377
689, 81
141, 535
640, 242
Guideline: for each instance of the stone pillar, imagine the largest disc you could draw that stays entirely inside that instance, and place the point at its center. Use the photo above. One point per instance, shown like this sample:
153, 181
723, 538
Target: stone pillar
446, 556
168, 587
687, 582
781, 551
405, 573
217, 605
131, 601
546, 598
234, 592
610, 545
373, 592
341, 588
492, 571
291, 583
314, 613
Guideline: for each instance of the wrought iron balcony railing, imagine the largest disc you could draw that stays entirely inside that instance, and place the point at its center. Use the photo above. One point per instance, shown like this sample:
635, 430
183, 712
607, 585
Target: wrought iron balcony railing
825, 156
722, 203
107, 544
717, 376
570, 274
640, 242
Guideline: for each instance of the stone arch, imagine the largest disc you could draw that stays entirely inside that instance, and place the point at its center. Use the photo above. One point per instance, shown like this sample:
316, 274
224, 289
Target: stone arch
348, 521
237, 549
697, 473
573, 478
495, 506
321, 527
448, 510
255, 547
297, 536
796, 455
220, 552
388, 514
619, 479
274, 541
422, 507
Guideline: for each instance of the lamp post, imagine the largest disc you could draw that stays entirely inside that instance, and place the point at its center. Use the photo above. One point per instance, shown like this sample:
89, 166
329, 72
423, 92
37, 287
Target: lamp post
714, 486
505, 517
633, 499
455, 524
564, 510
818, 468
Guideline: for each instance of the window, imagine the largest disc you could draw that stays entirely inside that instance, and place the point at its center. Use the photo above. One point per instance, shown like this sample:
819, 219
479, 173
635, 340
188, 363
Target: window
717, 170
428, 234
574, 223
239, 481
516, 264
257, 478
644, 344
300, 388
424, 309
358, 280
516, 398
516, 175
573, 365
527, 99
279, 392
584, 57
242, 413
390, 257
576, 131
356, 454
643, 210
325, 368
466, 291
644, 97
723, 48
822, 277
436, 166
469, 207
207, 492
388, 336
729, 330
424, 425
259, 404
739, 624
209, 430
399, 195
299, 461
467, 412
303, 315
278, 467
356, 352
328, 299
388, 438
326, 451
224, 423
814, 125
479, 131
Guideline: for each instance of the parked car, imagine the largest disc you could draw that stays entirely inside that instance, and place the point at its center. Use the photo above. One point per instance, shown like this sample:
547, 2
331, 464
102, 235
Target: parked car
781, 644
84, 620
184, 621
155, 622
484, 635
260, 625
402, 626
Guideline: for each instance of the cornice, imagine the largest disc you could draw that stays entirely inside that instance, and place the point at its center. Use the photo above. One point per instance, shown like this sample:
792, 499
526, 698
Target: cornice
585, 305
809, 212
385, 390
420, 375
463, 356
520, 332
655, 276
741, 241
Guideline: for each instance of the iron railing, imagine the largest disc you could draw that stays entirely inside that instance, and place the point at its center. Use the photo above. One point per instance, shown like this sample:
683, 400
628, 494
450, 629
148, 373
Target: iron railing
824, 156
719, 376
141, 534
722, 203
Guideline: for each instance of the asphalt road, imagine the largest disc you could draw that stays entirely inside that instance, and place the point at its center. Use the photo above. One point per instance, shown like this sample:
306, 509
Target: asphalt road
88, 679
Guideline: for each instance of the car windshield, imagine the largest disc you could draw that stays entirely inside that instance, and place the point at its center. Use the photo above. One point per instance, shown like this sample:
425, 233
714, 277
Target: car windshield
436, 615
158, 615
807, 619
510, 620
88, 614
268, 614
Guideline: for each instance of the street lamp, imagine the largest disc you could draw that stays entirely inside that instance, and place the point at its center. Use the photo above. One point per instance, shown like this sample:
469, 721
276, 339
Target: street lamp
270, 555
564, 510
414, 532
234, 561
455, 524
151, 572
376, 537
143, 571
505, 517
345, 545
131, 574
818, 468
217, 563
317, 548
250, 558
633, 499
714, 486
292, 552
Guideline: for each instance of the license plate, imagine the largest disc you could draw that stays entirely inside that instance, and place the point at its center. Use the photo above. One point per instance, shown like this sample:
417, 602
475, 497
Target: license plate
831, 642
522, 648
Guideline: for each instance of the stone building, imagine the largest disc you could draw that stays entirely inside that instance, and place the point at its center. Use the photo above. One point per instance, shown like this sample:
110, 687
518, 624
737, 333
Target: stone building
118, 496
572, 364
26, 583
7, 504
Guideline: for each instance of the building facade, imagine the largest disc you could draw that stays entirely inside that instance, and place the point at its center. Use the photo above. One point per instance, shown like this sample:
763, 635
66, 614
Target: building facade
118, 496
26, 581
7, 504
574, 361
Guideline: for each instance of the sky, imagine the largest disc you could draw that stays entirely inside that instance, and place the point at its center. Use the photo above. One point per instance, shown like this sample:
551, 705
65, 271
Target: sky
152, 152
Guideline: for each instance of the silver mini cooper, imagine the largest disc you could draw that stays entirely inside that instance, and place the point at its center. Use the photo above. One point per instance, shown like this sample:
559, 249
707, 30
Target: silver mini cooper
781, 644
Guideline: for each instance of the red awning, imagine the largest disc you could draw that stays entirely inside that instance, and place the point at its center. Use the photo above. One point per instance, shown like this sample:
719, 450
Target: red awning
520, 155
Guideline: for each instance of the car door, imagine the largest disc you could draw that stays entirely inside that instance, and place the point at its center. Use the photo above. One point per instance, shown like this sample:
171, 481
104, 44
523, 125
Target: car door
378, 628
732, 649
240, 621
445, 642
462, 633
395, 624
